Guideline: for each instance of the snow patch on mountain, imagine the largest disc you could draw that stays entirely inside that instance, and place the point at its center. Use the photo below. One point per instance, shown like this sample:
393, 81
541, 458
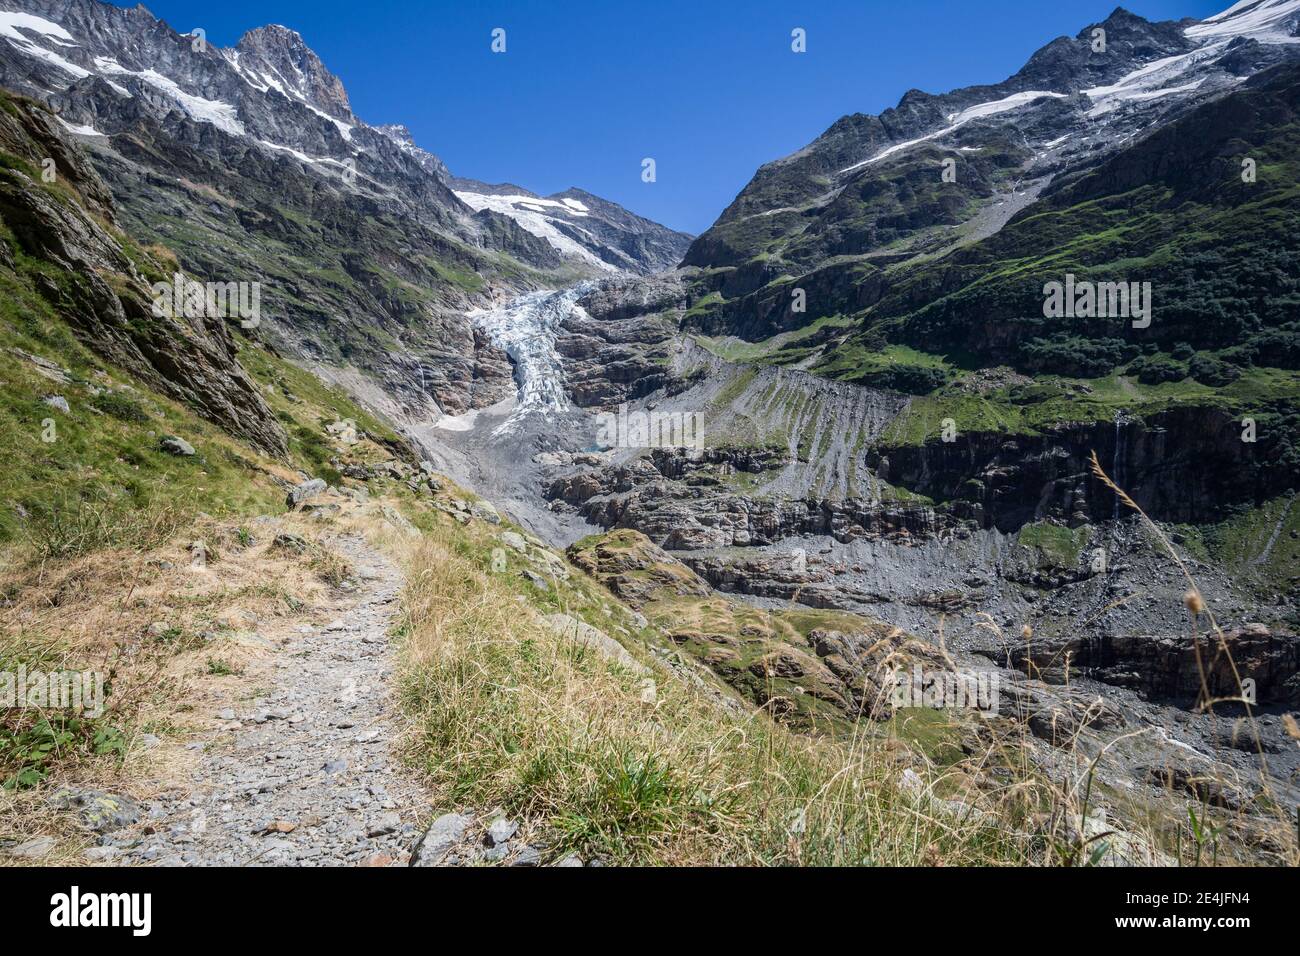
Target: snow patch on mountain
538, 216
957, 120
10, 25
224, 116
79, 130
1266, 21
9, 22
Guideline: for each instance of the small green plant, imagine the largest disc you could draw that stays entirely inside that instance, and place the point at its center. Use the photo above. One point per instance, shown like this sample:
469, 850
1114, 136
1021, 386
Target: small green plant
1205, 835
121, 406
331, 569
28, 754
220, 668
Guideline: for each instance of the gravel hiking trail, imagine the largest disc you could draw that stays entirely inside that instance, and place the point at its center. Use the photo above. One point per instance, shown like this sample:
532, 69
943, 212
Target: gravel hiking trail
304, 773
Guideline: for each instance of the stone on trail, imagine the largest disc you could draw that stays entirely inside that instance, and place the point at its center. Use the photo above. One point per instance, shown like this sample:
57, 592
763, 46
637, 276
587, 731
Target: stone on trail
528, 856
99, 811
443, 834
384, 824
500, 831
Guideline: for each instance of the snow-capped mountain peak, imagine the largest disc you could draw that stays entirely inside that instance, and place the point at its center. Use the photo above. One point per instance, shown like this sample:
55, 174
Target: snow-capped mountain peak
584, 227
103, 67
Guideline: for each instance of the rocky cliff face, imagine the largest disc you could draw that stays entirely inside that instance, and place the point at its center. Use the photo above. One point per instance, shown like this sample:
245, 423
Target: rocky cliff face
1165, 667
63, 235
1186, 464
279, 55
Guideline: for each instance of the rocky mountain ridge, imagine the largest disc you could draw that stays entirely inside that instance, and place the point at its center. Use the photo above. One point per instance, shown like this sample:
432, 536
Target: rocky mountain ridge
867, 196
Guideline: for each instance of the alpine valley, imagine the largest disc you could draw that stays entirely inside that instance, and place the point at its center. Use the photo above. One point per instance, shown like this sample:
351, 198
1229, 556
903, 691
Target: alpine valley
896, 452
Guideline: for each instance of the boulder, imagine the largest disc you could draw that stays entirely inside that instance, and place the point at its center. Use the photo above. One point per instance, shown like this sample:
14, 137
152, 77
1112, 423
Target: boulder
305, 491
99, 811
175, 445
571, 627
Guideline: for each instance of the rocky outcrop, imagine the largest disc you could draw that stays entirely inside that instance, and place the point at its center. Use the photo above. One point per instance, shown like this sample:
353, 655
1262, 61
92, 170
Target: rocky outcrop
1166, 668
634, 568
788, 576
98, 289
279, 54
686, 505
1184, 464
607, 362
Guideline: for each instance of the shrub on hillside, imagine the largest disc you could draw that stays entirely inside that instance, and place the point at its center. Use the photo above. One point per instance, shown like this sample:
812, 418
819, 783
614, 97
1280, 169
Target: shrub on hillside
912, 379
1154, 369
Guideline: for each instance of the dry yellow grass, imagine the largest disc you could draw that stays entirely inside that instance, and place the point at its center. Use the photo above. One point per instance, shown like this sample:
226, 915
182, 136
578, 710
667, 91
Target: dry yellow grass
176, 642
506, 713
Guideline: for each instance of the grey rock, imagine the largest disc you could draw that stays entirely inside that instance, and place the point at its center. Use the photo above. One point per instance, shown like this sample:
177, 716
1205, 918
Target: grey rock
99, 811
582, 632
443, 834
288, 541
57, 402
175, 445
384, 824
305, 491
33, 849
485, 511
500, 831
528, 856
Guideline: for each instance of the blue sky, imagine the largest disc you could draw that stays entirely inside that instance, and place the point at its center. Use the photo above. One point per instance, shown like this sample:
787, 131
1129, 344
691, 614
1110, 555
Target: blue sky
709, 88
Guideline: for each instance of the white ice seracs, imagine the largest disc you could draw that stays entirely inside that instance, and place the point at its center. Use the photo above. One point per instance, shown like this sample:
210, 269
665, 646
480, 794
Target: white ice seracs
525, 328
